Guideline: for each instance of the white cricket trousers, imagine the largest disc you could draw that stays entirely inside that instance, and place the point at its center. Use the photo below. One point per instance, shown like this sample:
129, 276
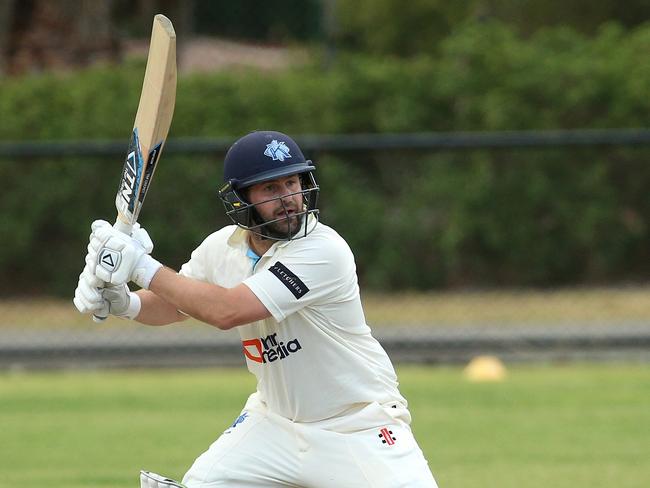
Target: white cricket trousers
373, 447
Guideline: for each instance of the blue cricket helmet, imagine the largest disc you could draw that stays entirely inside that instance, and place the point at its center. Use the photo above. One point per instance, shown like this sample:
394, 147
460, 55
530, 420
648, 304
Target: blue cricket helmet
264, 156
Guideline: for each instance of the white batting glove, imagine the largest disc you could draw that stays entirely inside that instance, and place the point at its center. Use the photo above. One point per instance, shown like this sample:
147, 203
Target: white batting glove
87, 296
117, 258
121, 302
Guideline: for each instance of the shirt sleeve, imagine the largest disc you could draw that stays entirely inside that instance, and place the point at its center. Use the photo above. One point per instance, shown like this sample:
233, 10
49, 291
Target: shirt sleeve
196, 266
310, 274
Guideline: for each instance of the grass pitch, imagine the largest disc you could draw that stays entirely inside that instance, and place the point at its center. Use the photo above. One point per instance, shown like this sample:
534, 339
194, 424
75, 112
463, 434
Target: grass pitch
544, 426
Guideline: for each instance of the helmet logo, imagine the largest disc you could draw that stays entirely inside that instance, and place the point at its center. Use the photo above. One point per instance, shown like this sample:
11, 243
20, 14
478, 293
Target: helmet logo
277, 151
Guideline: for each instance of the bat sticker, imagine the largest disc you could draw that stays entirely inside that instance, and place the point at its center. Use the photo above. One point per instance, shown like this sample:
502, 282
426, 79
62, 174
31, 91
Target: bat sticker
131, 176
148, 173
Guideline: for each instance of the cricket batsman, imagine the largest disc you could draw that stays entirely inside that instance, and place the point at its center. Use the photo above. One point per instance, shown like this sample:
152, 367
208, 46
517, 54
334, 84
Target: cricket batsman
327, 411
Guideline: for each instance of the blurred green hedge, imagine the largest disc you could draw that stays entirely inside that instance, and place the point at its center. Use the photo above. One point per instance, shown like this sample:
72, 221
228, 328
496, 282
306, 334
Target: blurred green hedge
415, 219
396, 27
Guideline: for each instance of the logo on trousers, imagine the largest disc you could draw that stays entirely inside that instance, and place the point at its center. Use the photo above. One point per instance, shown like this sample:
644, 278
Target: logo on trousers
238, 420
268, 349
386, 436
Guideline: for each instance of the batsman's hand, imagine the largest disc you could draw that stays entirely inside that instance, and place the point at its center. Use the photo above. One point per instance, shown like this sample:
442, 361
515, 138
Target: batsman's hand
87, 296
116, 300
121, 301
117, 258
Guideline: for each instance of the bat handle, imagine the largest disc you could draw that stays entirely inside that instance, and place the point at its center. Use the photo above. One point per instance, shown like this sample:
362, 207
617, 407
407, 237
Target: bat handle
126, 228
123, 227
101, 315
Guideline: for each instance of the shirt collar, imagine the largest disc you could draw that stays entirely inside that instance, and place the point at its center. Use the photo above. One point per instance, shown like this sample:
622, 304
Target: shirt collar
238, 238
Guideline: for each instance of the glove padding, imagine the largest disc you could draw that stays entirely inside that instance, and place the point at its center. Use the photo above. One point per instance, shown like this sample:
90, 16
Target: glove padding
121, 301
87, 296
117, 258
113, 299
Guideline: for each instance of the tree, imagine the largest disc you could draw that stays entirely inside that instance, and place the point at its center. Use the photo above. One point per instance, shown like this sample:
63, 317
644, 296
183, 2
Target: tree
40, 35
43, 35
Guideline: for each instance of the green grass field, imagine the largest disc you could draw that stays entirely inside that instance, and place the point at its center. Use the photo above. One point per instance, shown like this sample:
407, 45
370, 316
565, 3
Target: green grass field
544, 426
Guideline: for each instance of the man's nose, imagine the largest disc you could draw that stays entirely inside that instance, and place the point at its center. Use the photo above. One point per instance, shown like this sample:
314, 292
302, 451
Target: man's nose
287, 199
286, 193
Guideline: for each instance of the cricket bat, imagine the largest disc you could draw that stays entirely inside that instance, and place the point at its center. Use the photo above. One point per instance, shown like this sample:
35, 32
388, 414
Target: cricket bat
152, 121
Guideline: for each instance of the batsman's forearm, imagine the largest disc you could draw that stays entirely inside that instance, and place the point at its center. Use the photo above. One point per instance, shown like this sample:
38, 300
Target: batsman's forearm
156, 311
203, 301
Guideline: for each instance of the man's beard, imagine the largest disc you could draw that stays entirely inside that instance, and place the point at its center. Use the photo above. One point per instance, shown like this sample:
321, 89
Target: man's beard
283, 229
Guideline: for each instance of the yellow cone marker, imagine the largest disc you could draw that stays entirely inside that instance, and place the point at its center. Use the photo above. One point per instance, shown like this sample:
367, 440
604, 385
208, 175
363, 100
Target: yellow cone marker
485, 368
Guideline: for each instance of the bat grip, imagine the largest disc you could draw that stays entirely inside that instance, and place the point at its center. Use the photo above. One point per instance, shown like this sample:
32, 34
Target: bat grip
125, 228
98, 317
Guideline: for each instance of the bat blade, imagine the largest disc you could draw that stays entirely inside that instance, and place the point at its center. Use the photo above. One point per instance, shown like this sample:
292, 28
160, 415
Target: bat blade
152, 123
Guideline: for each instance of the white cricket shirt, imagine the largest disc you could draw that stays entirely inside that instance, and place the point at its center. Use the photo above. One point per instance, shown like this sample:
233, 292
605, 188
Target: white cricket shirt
315, 358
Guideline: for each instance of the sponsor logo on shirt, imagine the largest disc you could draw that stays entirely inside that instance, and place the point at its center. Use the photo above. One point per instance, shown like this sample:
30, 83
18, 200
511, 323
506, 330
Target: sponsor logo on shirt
288, 279
268, 349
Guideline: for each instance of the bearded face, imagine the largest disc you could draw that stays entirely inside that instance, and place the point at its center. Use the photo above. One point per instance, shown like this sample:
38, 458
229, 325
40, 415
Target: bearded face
280, 203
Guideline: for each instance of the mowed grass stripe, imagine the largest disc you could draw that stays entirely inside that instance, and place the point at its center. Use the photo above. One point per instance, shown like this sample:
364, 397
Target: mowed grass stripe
560, 426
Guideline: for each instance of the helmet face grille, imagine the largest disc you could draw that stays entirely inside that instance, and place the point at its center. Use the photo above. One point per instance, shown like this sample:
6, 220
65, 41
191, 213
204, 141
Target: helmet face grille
245, 215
